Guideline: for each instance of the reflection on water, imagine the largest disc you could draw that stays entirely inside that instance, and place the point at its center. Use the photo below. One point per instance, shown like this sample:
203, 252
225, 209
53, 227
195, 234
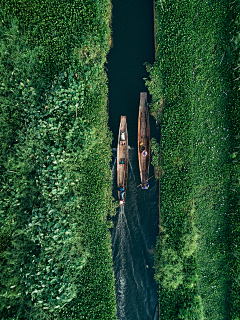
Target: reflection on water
133, 239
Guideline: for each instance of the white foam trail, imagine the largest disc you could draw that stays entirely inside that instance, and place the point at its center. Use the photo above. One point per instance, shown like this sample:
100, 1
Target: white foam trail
134, 285
122, 289
121, 210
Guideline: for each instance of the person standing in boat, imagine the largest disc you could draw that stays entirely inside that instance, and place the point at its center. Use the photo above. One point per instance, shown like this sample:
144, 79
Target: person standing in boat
122, 196
122, 193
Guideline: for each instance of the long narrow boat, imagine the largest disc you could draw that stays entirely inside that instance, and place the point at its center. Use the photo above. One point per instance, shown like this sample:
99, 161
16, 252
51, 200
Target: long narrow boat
122, 160
143, 140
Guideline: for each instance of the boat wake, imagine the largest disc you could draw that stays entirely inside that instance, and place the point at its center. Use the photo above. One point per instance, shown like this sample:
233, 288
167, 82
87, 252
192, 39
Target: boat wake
133, 239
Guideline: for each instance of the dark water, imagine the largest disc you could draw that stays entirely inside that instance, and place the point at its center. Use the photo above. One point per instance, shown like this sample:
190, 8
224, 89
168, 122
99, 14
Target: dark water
136, 227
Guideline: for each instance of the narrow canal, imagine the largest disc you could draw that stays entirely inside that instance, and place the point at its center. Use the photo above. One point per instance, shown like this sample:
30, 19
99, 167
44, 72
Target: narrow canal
136, 227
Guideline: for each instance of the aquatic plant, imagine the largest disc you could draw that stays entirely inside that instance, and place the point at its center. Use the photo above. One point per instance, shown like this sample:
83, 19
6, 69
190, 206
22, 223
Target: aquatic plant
193, 76
55, 258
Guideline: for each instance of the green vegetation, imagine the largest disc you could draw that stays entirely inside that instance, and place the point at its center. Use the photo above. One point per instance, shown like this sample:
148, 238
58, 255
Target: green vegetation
195, 100
55, 257
234, 190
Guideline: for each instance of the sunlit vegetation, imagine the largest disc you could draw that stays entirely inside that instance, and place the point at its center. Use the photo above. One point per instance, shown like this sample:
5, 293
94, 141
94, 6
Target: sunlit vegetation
55, 247
195, 83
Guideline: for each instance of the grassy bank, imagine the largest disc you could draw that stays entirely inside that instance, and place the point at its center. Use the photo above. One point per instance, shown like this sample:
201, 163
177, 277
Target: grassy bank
55, 255
194, 100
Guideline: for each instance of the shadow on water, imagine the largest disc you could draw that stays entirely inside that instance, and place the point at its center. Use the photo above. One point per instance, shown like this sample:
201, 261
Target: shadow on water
133, 240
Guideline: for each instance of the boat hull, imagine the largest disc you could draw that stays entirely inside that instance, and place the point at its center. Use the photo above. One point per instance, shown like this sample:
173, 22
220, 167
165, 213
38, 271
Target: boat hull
122, 157
143, 140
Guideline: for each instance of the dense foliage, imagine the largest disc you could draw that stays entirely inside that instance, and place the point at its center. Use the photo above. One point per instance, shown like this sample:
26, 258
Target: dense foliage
55, 258
197, 106
234, 191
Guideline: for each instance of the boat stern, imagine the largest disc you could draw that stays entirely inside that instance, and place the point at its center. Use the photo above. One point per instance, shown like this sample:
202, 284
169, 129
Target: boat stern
121, 203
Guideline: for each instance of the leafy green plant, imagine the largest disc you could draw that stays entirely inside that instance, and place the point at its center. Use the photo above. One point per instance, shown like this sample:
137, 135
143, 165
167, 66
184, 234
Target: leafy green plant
155, 148
194, 100
56, 260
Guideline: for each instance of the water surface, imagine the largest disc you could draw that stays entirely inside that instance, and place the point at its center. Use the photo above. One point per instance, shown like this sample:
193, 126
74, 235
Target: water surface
136, 227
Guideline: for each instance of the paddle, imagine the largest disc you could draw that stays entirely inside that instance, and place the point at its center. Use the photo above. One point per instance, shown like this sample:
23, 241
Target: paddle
148, 179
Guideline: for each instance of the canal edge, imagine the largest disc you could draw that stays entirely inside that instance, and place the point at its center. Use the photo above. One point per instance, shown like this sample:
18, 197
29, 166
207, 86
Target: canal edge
154, 22
159, 171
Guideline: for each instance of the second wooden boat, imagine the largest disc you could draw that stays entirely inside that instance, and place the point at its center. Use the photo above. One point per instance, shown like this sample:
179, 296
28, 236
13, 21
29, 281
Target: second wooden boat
143, 140
122, 160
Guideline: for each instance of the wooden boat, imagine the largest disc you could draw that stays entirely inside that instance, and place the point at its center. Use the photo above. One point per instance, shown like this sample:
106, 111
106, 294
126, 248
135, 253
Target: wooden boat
143, 140
122, 160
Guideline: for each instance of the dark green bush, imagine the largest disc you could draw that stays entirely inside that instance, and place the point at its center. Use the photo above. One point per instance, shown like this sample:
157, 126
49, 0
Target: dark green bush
195, 101
55, 258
